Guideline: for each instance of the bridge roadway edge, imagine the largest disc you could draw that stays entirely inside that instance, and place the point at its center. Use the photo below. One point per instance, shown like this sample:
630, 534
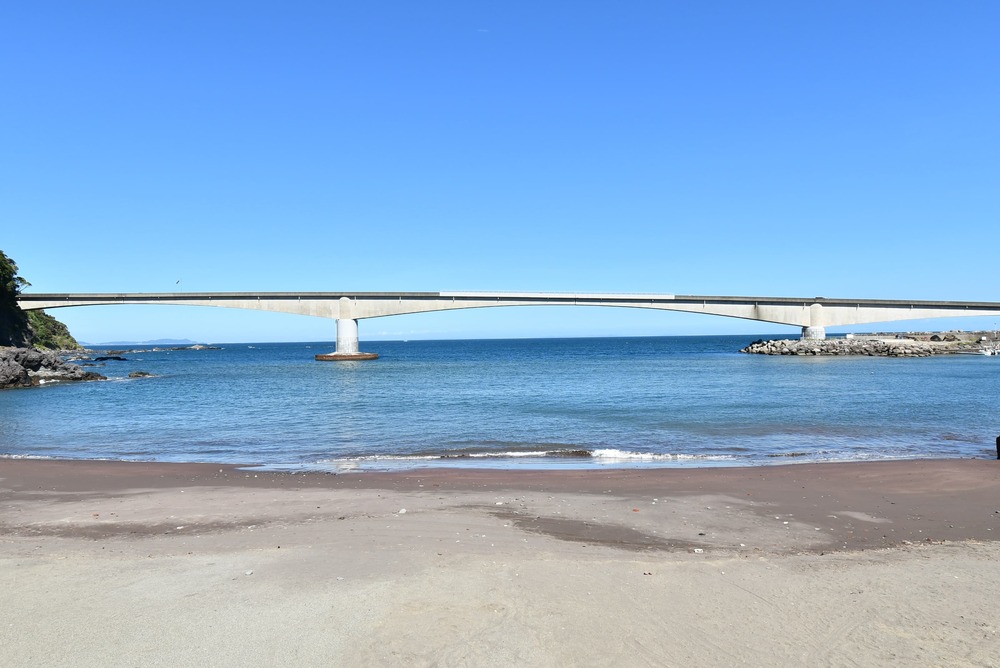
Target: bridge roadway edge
813, 315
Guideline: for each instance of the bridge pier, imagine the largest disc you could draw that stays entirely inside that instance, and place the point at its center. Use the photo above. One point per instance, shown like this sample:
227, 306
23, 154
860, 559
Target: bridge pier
815, 330
814, 333
347, 344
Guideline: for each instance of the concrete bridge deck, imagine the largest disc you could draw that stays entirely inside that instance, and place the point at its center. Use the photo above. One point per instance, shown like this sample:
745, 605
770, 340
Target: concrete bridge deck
813, 315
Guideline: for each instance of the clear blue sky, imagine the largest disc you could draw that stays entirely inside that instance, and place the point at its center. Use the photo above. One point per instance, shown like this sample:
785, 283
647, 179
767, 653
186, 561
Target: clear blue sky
846, 149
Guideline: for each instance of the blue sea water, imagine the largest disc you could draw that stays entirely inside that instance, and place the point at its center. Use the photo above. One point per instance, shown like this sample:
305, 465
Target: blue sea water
585, 402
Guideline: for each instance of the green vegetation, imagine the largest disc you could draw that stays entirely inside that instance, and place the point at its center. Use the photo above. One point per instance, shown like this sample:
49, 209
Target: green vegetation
31, 328
10, 282
50, 333
14, 327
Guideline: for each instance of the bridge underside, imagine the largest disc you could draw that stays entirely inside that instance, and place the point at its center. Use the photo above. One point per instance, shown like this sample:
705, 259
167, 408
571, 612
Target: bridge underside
812, 315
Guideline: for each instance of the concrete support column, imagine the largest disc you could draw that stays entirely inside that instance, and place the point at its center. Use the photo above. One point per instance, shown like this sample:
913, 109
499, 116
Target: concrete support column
814, 333
816, 329
347, 336
347, 343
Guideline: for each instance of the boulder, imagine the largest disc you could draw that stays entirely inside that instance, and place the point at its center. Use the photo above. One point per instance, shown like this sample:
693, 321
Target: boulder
12, 374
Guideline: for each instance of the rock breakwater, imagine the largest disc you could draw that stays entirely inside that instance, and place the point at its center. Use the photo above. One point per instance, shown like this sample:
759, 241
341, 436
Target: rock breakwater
872, 347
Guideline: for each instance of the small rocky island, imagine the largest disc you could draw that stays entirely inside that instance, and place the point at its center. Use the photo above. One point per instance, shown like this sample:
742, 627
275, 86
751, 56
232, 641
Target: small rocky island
920, 344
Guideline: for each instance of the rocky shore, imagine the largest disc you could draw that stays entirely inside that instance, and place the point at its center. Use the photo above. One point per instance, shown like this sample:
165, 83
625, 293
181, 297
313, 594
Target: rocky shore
912, 345
27, 367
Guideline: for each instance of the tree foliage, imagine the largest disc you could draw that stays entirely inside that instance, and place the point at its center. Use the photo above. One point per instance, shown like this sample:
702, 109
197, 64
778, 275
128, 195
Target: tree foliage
47, 332
32, 328
10, 283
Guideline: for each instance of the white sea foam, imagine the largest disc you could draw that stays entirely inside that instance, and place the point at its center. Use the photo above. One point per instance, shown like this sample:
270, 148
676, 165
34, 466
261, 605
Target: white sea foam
611, 454
545, 459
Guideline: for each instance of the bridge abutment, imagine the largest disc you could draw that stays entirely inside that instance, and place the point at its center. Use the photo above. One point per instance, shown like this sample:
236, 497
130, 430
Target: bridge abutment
347, 344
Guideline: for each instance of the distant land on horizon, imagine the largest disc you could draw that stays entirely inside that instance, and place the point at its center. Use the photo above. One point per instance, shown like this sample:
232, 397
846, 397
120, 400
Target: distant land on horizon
153, 342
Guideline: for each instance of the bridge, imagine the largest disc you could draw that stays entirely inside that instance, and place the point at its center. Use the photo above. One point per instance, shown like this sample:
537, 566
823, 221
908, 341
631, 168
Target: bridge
813, 315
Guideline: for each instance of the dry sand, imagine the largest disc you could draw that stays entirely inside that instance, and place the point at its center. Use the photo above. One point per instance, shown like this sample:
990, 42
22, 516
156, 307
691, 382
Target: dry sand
863, 564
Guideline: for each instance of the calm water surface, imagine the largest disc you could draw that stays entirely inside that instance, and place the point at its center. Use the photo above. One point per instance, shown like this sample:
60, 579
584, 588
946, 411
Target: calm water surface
660, 401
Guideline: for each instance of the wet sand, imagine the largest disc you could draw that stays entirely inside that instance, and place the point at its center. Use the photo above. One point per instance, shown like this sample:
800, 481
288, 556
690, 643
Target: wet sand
114, 563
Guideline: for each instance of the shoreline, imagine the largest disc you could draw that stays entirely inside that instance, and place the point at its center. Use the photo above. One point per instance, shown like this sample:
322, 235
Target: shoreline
887, 503
164, 564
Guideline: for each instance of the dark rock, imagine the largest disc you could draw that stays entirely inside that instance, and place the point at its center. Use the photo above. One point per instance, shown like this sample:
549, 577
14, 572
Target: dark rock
25, 367
12, 374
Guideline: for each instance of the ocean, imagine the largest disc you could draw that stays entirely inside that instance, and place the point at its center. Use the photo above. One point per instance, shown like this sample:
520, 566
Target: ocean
521, 403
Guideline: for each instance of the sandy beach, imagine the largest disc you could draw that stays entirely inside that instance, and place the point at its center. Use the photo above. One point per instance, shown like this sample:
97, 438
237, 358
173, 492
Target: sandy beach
135, 564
